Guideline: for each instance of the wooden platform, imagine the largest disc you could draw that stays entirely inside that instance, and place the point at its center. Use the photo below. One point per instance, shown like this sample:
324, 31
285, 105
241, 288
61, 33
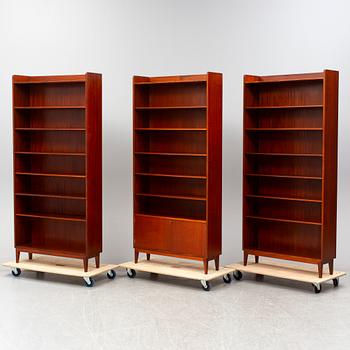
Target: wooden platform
179, 268
60, 266
286, 271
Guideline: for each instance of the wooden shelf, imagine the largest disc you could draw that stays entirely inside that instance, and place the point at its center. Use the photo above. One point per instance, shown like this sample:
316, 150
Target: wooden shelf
282, 154
171, 82
284, 198
170, 129
52, 153
194, 198
171, 107
58, 196
52, 216
283, 129
284, 220
50, 129
285, 81
287, 176
169, 217
173, 175
51, 175
50, 251
49, 107
171, 154
284, 107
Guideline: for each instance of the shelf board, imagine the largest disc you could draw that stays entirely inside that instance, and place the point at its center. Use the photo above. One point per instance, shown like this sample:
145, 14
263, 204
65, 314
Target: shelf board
170, 129
50, 251
284, 107
58, 196
173, 175
168, 217
171, 154
280, 255
283, 129
171, 82
283, 154
56, 80
49, 107
284, 220
284, 198
52, 153
53, 216
51, 175
171, 107
50, 129
286, 81
287, 176
195, 198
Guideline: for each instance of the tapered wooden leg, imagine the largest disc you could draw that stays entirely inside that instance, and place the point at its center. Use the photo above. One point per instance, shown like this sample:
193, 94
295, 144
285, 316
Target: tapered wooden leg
136, 258
30, 255
330, 265
217, 260
18, 253
320, 270
256, 259
86, 264
97, 261
148, 256
205, 262
245, 258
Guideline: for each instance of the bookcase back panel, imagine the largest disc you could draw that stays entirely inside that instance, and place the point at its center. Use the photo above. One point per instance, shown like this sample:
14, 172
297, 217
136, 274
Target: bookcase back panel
50, 164
60, 94
172, 142
163, 95
188, 209
282, 209
173, 165
287, 188
280, 165
187, 118
51, 234
170, 186
284, 118
292, 239
56, 206
50, 141
50, 185
50, 118
287, 94
303, 142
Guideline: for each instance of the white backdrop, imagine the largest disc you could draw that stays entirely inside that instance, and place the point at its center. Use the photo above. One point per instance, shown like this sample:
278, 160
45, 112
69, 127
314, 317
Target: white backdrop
163, 37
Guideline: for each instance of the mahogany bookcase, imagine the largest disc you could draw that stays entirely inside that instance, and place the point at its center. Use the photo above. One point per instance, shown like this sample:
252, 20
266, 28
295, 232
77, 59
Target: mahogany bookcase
177, 166
57, 135
290, 167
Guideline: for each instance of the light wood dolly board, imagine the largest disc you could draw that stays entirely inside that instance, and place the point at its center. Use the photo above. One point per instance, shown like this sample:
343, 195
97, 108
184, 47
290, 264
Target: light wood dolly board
286, 271
176, 268
61, 266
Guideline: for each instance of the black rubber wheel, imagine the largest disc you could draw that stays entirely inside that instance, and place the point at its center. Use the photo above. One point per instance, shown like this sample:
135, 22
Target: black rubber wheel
335, 282
237, 275
16, 272
227, 278
206, 286
111, 274
131, 273
90, 283
317, 290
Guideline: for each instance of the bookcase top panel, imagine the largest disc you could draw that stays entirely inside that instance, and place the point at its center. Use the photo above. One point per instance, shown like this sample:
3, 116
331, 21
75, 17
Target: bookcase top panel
43, 79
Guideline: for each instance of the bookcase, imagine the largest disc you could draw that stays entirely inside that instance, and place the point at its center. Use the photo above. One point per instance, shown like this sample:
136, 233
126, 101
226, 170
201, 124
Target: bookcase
177, 166
57, 138
290, 167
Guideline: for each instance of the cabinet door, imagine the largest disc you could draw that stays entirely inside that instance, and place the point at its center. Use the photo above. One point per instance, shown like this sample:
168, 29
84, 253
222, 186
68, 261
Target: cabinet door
170, 236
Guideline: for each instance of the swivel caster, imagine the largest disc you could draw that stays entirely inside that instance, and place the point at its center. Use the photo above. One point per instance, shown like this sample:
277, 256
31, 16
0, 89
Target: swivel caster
237, 275
131, 273
317, 288
336, 282
16, 272
111, 274
89, 282
227, 278
205, 285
